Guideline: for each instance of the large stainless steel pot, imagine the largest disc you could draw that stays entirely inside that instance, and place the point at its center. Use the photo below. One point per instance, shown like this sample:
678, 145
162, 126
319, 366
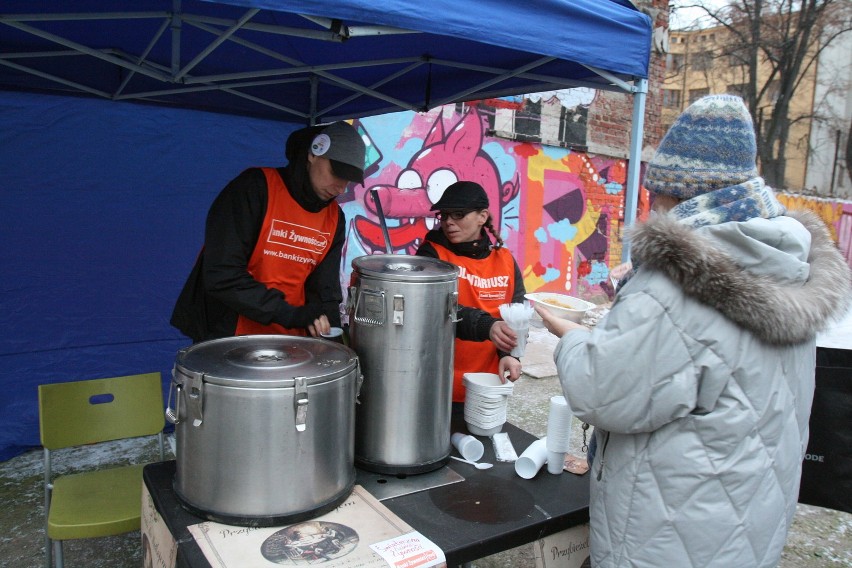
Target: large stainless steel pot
264, 428
402, 314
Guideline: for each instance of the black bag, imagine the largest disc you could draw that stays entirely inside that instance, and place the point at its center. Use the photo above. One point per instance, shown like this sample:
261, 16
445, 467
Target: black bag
827, 468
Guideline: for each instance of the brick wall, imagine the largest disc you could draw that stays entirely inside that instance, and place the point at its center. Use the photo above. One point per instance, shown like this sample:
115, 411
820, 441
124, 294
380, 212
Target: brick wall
610, 115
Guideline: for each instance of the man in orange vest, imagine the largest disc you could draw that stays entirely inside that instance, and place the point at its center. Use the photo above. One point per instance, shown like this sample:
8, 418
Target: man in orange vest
272, 245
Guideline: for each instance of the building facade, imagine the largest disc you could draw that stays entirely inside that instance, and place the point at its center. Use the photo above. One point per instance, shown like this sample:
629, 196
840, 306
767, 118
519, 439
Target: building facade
699, 63
828, 169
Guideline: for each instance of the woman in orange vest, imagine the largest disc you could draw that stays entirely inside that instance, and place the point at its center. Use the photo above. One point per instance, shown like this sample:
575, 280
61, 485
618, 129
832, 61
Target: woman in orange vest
272, 244
488, 277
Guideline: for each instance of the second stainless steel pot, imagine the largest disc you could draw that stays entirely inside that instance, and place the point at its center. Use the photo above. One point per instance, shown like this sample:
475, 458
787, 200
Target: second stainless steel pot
402, 313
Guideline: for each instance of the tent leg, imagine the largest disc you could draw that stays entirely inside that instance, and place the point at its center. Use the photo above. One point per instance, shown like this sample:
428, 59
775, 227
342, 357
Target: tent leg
634, 161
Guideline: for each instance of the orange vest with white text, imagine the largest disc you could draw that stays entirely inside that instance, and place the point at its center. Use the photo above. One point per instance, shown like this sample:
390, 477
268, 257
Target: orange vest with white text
291, 243
484, 283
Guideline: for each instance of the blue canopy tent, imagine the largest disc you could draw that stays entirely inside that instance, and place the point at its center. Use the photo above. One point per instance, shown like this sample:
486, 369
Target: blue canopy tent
103, 202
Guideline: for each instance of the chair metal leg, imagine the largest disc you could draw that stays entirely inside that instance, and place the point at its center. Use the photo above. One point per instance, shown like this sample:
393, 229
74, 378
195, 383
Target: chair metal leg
57, 552
48, 544
47, 487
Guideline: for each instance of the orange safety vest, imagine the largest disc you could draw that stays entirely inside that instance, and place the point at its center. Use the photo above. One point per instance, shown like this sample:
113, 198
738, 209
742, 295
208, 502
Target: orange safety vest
484, 283
291, 243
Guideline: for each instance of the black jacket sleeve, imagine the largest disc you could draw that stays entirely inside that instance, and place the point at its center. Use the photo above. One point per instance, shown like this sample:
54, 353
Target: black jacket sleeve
520, 289
322, 287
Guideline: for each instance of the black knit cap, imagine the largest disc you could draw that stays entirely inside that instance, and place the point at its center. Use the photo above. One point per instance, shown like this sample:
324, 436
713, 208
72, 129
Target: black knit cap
462, 195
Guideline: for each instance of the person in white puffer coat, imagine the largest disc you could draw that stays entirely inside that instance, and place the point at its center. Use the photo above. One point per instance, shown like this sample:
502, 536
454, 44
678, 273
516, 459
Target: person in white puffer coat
699, 380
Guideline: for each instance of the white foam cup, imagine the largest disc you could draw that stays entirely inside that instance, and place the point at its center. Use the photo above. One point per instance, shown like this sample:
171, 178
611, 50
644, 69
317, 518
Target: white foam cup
528, 464
469, 447
555, 462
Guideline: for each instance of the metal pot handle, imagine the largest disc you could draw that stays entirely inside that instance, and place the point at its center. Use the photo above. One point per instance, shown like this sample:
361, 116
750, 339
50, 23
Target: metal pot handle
173, 415
453, 307
379, 302
300, 400
359, 380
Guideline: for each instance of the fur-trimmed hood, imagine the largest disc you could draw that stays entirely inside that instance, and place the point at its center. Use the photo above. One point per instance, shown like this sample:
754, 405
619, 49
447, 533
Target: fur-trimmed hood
776, 309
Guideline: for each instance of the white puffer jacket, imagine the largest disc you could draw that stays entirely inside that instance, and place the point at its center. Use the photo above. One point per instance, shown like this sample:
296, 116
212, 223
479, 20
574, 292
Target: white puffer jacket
699, 382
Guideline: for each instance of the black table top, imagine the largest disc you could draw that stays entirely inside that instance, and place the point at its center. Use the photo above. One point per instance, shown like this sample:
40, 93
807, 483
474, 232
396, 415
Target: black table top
490, 511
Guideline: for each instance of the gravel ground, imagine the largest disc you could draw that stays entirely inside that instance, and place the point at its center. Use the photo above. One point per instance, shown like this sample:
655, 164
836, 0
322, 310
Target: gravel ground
819, 538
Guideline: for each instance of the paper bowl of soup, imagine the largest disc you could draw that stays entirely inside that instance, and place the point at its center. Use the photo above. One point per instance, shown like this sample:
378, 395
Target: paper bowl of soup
561, 305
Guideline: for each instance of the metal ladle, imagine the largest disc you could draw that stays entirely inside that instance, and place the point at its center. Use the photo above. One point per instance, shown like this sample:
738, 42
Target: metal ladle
477, 465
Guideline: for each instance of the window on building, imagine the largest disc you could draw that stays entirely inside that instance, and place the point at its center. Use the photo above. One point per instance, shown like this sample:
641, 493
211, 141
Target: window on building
671, 98
735, 55
674, 62
695, 94
738, 89
530, 121
701, 60
527, 124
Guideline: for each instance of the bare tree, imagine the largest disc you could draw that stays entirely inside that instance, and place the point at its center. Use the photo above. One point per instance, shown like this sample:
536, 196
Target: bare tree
777, 43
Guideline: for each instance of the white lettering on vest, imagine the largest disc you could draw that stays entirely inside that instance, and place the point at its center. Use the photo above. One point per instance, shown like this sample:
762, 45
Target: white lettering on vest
479, 282
298, 236
287, 256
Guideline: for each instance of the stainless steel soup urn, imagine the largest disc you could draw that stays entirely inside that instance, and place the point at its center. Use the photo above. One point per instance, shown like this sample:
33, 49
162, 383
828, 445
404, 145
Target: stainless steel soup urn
264, 428
402, 318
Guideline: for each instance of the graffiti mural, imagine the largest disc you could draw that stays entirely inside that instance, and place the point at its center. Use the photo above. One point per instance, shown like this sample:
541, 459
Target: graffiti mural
836, 214
559, 211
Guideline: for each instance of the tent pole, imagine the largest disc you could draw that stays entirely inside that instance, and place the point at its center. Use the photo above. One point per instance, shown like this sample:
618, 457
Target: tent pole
634, 162
176, 25
314, 89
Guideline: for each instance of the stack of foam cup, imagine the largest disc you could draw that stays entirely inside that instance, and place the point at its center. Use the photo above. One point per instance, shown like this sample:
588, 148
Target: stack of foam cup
485, 402
558, 433
518, 316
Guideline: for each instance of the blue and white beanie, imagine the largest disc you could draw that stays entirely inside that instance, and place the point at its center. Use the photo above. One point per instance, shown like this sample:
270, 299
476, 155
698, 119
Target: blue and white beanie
710, 146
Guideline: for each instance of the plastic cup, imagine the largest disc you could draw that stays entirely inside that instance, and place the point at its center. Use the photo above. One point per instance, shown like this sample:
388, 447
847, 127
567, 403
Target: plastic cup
469, 447
519, 349
535, 456
555, 462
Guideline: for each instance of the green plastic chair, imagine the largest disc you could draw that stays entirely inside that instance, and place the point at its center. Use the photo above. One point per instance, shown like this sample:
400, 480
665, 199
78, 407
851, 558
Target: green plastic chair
102, 502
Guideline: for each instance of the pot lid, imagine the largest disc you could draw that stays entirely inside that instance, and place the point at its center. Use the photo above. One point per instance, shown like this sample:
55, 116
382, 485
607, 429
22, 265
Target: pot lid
405, 268
266, 361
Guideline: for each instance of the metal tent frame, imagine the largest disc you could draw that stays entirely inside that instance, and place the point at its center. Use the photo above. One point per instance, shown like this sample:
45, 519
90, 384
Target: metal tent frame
311, 61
